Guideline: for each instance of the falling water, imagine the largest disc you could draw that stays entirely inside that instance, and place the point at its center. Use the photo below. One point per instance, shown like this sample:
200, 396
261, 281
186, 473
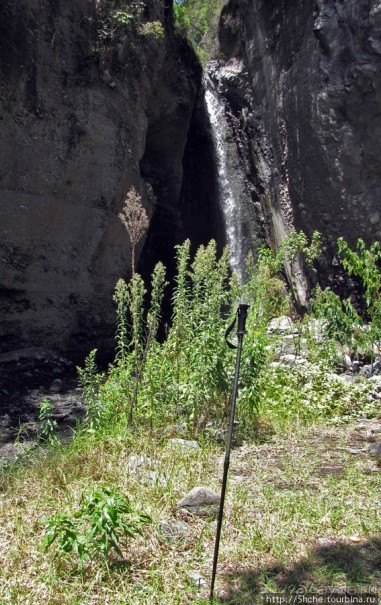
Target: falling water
229, 190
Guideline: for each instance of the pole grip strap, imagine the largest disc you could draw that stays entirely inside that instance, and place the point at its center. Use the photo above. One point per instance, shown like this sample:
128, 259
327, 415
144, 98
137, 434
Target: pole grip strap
229, 330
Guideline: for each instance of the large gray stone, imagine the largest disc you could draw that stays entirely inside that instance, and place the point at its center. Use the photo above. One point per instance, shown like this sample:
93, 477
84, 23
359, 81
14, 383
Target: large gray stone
200, 501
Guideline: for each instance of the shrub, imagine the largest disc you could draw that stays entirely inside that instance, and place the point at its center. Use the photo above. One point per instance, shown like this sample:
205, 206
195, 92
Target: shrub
343, 323
48, 426
105, 516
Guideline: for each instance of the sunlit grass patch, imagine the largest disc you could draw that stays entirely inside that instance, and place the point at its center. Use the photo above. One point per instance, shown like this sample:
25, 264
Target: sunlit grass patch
300, 508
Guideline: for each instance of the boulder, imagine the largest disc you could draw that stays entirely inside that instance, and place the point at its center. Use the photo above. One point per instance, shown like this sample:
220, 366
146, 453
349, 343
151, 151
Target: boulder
200, 501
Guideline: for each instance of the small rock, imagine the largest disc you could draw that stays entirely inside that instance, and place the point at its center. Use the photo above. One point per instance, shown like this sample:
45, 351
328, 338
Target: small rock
139, 462
197, 579
361, 427
355, 539
154, 479
292, 359
375, 450
200, 501
56, 386
173, 531
348, 362
274, 364
184, 445
376, 382
9, 453
281, 324
5, 421
172, 430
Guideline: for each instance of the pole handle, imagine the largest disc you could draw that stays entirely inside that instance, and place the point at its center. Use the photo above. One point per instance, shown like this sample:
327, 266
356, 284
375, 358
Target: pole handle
242, 315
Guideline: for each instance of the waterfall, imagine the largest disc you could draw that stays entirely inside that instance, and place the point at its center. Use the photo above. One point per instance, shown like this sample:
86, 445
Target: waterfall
231, 181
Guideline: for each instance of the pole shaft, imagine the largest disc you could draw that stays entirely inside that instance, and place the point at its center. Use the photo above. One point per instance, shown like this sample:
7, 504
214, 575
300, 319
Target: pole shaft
226, 463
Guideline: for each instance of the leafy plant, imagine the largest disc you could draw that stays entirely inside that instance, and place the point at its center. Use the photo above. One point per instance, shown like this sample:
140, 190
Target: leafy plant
365, 263
340, 316
115, 18
48, 426
297, 243
153, 29
106, 515
343, 323
90, 381
122, 299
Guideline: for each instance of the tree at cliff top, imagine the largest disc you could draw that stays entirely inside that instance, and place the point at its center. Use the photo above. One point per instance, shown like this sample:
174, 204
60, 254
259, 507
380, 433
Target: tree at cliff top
198, 21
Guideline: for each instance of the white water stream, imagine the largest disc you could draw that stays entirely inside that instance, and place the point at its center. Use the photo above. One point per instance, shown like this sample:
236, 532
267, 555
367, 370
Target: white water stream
228, 197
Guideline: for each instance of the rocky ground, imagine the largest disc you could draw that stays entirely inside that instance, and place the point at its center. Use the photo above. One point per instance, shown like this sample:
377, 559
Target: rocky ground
26, 378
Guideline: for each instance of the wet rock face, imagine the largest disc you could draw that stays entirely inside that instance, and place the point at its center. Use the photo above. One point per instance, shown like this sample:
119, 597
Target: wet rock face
80, 125
313, 116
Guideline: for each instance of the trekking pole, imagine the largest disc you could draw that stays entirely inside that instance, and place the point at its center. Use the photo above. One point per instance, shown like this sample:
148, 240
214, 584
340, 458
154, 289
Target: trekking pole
241, 315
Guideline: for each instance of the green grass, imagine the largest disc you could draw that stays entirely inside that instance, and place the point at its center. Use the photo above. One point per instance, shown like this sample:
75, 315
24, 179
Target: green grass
300, 509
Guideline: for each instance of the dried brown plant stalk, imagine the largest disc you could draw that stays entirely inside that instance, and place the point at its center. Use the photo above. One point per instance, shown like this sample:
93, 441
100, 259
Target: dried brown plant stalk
135, 219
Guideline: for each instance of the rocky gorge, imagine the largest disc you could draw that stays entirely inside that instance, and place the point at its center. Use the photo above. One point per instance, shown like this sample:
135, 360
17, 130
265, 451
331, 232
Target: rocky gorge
85, 115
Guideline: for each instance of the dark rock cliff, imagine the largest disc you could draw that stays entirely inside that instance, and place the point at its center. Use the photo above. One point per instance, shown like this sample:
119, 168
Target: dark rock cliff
307, 90
82, 119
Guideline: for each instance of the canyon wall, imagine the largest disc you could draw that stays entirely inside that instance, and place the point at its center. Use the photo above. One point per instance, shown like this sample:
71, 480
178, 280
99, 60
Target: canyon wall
303, 82
85, 116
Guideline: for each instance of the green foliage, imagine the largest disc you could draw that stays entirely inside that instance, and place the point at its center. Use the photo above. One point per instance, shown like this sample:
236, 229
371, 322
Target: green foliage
116, 18
343, 322
297, 244
122, 299
90, 381
187, 379
106, 515
137, 292
266, 294
119, 23
48, 426
366, 264
363, 263
264, 288
198, 21
308, 393
152, 29
186, 374
157, 293
136, 334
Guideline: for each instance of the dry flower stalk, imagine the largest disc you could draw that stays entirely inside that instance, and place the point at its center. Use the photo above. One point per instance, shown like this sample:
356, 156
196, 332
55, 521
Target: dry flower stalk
135, 219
